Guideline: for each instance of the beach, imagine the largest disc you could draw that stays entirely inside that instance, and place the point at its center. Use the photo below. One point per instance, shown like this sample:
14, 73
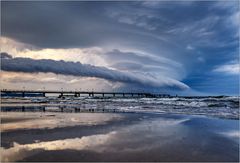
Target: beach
84, 136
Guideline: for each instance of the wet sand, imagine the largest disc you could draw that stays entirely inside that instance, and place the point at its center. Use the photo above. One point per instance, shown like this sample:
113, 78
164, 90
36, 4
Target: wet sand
117, 137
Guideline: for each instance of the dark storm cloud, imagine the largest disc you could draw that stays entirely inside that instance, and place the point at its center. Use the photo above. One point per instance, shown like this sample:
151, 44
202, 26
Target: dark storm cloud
151, 26
81, 24
5, 56
85, 70
45, 24
74, 24
63, 24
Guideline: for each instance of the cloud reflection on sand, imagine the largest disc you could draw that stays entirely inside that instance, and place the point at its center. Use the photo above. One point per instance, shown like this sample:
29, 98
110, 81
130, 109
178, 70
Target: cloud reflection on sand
19, 151
101, 142
54, 120
235, 134
144, 137
147, 135
232, 134
125, 137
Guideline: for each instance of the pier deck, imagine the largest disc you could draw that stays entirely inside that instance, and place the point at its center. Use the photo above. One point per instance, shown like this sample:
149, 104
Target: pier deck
25, 93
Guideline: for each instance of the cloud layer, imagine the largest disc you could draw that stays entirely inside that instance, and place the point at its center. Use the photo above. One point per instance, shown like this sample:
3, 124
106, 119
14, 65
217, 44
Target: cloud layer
230, 68
157, 42
29, 65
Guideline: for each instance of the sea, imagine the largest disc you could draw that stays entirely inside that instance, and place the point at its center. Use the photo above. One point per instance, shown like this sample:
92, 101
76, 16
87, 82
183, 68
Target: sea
219, 106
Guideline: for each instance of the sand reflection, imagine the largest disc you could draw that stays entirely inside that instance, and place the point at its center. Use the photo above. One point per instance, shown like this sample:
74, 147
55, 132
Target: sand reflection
142, 137
18, 151
52, 120
131, 138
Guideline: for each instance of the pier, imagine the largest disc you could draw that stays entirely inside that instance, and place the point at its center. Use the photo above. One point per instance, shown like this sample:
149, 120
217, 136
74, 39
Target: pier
43, 93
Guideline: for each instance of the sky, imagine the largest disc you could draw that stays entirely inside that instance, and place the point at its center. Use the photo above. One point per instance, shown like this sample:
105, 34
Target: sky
175, 47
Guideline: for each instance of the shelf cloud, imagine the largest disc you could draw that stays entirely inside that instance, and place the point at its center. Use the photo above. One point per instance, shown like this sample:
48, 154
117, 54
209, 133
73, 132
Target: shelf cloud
29, 65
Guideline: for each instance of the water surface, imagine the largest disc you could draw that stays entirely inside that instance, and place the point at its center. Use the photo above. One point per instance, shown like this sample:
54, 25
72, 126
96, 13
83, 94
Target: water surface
131, 129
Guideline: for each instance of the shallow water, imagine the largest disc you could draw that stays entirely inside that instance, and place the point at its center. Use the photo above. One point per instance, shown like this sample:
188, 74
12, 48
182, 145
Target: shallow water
119, 137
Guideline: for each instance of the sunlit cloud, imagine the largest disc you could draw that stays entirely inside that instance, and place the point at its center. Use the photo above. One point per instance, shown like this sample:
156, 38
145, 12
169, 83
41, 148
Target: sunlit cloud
84, 55
189, 47
231, 68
